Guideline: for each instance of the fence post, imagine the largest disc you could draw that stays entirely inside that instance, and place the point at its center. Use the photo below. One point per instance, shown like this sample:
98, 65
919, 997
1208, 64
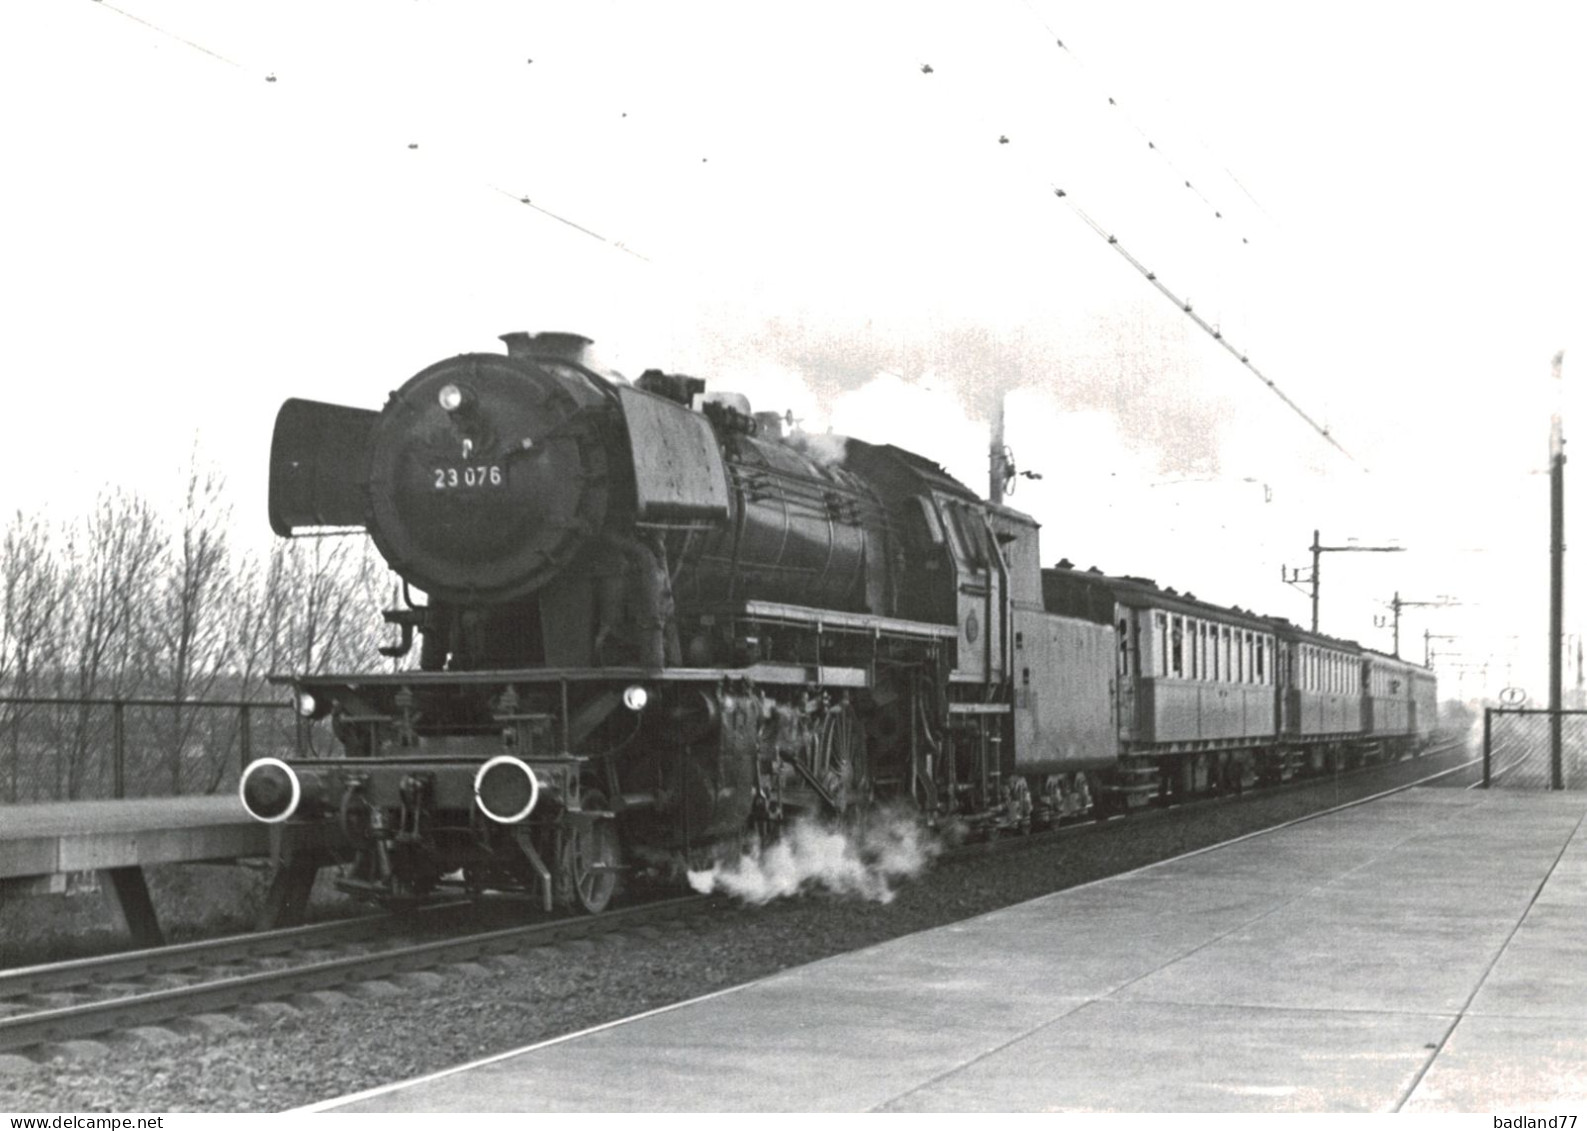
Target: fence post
118, 748
1487, 746
245, 735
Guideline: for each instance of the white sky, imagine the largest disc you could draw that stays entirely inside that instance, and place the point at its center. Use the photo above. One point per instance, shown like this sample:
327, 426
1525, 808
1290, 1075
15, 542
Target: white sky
829, 229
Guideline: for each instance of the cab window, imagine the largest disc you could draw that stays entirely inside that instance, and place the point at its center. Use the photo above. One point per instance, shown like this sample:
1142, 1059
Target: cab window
933, 525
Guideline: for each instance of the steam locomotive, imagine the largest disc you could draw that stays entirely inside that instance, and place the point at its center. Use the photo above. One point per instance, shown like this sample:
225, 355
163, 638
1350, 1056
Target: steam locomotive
656, 623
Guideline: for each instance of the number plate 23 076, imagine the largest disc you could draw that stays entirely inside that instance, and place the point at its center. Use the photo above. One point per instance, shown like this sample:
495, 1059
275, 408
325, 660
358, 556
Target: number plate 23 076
468, 478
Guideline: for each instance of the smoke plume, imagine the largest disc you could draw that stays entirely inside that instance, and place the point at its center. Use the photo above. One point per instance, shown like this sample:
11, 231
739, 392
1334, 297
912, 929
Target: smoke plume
867, 862
1148, 373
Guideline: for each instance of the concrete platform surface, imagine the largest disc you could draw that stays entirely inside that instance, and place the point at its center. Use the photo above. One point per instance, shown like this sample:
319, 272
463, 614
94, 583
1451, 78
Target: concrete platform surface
79, 836
1421, 953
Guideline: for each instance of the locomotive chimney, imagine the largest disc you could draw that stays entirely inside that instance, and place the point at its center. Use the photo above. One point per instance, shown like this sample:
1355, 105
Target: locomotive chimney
551, 343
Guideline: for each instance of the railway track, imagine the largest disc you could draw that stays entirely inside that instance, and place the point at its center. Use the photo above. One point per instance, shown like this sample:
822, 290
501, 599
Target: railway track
43, 1007
47, 1005
1181, 808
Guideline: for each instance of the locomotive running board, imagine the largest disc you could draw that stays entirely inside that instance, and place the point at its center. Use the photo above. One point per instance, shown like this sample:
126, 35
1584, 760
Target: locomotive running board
839, 621
796, 674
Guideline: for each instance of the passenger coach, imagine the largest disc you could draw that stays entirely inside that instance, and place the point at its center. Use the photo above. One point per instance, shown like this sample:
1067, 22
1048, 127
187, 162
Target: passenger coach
1209, 695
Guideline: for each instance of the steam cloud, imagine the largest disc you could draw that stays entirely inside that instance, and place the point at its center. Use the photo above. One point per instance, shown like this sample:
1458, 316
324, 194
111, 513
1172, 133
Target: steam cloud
822, 447
868, 862
1140, 370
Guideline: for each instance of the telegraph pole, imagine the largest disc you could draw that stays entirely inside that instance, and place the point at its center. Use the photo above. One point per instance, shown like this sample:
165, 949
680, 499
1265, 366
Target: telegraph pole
1428, 636
1397, 604
1314, 582
1556, 586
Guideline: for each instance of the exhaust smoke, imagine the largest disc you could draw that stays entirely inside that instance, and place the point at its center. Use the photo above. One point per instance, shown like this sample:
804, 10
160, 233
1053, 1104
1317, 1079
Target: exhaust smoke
867, 862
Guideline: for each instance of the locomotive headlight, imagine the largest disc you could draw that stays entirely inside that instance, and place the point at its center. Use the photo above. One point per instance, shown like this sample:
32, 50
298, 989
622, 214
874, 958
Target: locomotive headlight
635, 697
306, 704
451, 398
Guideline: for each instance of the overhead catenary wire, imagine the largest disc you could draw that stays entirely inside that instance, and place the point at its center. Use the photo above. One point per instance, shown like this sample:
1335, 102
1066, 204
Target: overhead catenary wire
1003, 139
1188, 309
271, 77
169, 34
1151, 143
1184, 304
617, 245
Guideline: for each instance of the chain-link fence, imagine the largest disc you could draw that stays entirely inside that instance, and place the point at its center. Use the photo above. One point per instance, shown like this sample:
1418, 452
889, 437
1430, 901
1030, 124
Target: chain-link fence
84, 749
1517, 749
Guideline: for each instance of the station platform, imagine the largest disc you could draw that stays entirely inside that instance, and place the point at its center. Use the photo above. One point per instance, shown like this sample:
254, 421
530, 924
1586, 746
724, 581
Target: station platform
1420, 953
46, 842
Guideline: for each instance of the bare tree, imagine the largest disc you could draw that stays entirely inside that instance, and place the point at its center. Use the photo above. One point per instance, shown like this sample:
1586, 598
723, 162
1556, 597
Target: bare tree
29, 630
112, 556
189, 632
334, 621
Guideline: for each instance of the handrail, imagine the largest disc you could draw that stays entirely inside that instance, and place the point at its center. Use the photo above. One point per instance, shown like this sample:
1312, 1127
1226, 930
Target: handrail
137, 701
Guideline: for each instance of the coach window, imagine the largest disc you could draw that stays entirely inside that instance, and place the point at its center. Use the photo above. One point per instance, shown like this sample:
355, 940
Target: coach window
1124, 646
1261, 660
1176, 653
1162, 643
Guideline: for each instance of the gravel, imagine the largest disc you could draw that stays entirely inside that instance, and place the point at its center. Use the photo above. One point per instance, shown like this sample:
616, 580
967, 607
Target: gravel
276, 1057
